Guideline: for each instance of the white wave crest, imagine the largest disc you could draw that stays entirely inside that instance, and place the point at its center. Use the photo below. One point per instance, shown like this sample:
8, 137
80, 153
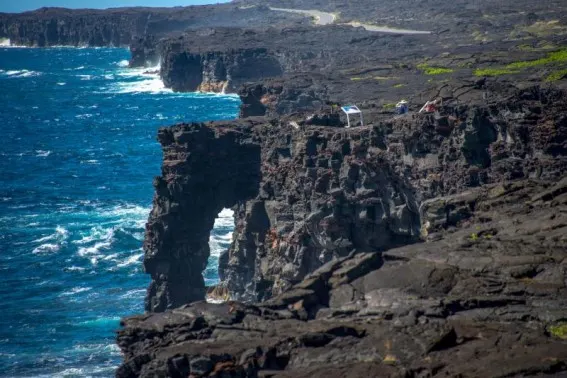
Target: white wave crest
21, 73
152, 85
60, 234
95, 249
75, 290
46, 248
42, 153
136, 293
134, 259
57, 239
225, 219
123, 63
75, 69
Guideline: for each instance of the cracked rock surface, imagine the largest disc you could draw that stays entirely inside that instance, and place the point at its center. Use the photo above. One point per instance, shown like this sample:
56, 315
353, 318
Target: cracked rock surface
481, 299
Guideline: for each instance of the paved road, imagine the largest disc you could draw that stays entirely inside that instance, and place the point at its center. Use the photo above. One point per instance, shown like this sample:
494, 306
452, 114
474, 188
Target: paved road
321, 18
324, 18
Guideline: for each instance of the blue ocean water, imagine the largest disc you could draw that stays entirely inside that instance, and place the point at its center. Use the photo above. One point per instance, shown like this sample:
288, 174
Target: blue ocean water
77, 157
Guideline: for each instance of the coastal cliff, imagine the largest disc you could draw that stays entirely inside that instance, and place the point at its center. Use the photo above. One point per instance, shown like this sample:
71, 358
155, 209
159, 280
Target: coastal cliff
302, 198
121, 27
416, 245
314, 193
419, 246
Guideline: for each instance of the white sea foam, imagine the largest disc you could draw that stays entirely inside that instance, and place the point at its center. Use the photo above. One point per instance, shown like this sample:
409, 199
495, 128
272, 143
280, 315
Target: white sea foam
123, 63
61, 83
134, 259
56, 241
75, 290
151, 85
4, 42
42, 153
226, 237
225, 219
75, 69
74, 269
95, 249
46, 248
61, 234
21, 73
133, 293
85, 77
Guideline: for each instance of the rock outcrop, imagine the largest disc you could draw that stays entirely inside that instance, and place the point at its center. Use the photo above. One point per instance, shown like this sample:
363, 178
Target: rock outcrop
122, 26
485, 296
200, 177
311, 193
302, 198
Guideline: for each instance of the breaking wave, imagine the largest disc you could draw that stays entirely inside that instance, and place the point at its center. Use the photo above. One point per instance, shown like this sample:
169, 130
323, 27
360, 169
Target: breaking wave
20, 73
75, 195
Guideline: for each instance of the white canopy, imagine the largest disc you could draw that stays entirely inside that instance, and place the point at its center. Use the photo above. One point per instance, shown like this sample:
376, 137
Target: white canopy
352, 109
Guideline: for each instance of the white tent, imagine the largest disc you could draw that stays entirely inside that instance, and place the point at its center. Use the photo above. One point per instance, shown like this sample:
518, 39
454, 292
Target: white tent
352, 109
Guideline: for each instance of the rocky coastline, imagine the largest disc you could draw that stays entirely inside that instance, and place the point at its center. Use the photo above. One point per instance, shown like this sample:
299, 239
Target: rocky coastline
417, 245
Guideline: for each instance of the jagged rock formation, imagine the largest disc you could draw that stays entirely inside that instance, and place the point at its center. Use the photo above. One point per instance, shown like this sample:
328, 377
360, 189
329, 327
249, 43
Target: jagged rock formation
321, 192
317, 195
122, 26
484, 297
200, 176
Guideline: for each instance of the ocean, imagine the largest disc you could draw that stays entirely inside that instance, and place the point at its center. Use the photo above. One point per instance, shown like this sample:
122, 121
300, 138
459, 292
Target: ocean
77, 157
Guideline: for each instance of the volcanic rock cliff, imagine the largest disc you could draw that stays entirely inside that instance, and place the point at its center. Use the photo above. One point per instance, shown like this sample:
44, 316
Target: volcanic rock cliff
125, 26
319, 213
417, 245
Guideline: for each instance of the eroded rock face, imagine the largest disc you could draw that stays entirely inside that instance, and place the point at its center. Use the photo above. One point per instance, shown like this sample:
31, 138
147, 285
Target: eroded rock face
317, 195
483, 297
322, 192
215, 71
199, 178
120, 26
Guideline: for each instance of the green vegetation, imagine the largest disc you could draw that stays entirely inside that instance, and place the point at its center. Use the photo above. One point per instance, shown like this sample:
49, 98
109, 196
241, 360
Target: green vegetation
389, 106
474, 237
554, 57
357, 78
557, 75
430, 70
494, 71
558, 330
399, 85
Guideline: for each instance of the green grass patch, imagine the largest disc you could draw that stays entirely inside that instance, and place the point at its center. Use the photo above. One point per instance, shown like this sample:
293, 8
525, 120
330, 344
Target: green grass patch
399, 85
494, 71
430, 70
389, 106
551, 58
556, 76
558, 330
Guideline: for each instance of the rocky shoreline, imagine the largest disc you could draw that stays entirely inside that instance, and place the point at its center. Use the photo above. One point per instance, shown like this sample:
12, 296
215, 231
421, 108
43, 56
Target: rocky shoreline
418, 245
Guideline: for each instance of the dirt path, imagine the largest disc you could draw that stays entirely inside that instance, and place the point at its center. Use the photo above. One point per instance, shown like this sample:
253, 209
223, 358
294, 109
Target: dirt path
325, 18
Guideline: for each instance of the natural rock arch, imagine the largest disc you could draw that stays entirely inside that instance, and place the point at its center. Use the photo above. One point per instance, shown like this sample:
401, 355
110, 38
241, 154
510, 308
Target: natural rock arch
204, 171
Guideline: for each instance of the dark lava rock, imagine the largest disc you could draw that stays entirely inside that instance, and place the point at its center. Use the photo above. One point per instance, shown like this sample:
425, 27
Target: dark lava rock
304, 195
478, 300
